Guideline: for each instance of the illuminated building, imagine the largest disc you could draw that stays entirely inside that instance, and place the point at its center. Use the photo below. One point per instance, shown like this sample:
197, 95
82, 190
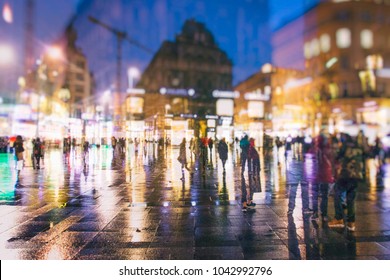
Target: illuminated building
182, 76
273, 100
344, 47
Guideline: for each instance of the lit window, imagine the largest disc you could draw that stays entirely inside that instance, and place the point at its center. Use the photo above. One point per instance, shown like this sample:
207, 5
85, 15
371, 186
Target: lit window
307, 50
374, 62
343, 38
325, 43
315, 47
366, 39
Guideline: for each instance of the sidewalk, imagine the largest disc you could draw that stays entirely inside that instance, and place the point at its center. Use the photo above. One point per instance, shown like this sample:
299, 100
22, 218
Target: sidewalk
138, 208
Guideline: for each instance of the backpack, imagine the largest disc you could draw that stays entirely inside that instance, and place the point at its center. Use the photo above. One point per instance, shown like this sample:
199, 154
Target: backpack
351, 166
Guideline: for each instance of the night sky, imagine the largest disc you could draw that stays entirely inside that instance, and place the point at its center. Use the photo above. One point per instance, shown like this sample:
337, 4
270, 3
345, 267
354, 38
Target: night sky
52, 16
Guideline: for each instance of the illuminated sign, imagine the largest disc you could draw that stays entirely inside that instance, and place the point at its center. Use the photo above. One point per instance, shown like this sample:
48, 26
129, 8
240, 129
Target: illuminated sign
257, 95
255, 109
225, 107
136, 91
213, 117
189, 116
177, 91
225, 94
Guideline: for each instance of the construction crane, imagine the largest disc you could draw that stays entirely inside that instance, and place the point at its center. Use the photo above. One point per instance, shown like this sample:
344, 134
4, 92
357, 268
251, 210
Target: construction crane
120, 37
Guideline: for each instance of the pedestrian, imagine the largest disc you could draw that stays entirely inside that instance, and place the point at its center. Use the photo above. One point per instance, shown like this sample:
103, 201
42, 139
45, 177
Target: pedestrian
19, 150
136, 144
247, 195
113, 143
203, 153
244, 145
253, 158
324, 177
349, 174
223, 152
37, 152
182, 158
211, 145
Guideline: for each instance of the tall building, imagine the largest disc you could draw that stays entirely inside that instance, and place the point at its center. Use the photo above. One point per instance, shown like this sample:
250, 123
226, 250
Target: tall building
343, 46
183, 75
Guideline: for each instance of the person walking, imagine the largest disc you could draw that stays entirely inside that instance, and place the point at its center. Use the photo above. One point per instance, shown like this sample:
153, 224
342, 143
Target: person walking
37, 152
253, 158
244, 145
19, 150
211, 145
223, 152
349, 173
324, 176
182, 158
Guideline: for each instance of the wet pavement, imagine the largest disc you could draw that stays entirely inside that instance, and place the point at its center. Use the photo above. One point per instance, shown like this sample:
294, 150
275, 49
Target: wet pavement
143, 206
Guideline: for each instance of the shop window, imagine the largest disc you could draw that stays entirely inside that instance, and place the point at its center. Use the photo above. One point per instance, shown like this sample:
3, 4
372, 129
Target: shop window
366, 38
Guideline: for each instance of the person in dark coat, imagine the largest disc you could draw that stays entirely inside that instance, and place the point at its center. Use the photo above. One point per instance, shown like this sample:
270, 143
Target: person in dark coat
349, 173
223, 152
253, 158
37, 152
19, 150
324, 178
244, 145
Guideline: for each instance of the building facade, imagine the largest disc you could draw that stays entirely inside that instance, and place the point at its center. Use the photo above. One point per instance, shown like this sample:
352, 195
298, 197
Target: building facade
343, 46
183, 76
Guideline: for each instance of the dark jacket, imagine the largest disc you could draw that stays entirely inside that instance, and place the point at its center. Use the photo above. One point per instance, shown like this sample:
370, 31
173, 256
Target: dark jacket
223, 150
350, 161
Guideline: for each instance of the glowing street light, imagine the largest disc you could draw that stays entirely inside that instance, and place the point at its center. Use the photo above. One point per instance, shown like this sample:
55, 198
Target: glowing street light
6, 55
7, 13
54, 52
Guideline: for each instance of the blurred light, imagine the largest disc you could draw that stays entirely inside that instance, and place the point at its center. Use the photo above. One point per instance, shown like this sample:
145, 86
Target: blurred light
366, 38
193, 203
325, 43
343, 38
6, 54
21, 81
54, 52
191, 92
292, 83
166, 204
383, 73
267, 68
308, 140
7, 13
163, 90
331, 62
136, 91
38, 62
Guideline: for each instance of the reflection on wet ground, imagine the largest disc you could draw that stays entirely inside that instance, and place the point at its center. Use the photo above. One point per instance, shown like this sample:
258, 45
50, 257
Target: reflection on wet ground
144, 206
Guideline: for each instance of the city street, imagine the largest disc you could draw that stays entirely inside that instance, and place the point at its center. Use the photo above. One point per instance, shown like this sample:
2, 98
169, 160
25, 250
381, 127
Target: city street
141, 206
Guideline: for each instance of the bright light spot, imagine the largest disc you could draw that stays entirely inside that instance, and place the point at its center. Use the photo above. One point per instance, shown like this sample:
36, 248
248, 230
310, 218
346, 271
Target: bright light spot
21, 81
193, 203
166, 204
331, 62
7, 14
191, 92
6, 55
54, 52
163, 90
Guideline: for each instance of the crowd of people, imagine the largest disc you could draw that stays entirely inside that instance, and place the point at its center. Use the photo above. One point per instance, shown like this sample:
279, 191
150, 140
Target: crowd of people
341, 161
